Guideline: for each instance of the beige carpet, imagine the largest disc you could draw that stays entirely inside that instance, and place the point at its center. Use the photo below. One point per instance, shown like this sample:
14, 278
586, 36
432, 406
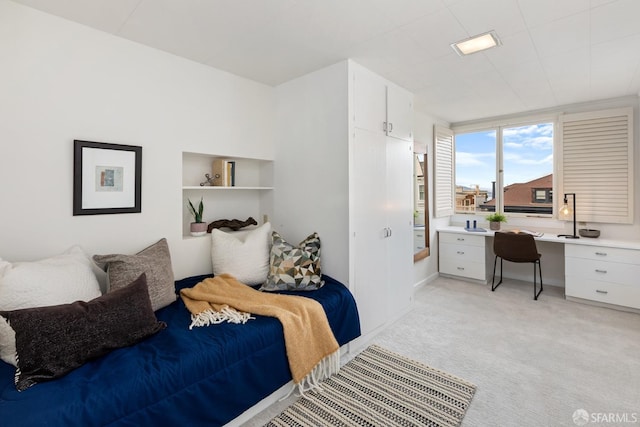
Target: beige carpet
382, 388
535, 363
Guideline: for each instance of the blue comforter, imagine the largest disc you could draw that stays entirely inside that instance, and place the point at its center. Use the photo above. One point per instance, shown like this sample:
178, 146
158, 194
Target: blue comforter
205, 376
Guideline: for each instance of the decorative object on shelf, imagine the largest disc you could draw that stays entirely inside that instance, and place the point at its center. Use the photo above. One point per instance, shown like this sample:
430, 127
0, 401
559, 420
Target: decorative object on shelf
495, 219
224, 173
106, 178
198, 228
589, 232
565, 211
210, 180
234, 224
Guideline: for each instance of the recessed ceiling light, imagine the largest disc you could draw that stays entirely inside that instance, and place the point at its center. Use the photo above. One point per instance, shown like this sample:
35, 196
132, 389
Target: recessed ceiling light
476, 43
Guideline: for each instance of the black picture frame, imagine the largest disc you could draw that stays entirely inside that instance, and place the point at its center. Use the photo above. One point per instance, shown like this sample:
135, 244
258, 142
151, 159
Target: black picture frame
107, 178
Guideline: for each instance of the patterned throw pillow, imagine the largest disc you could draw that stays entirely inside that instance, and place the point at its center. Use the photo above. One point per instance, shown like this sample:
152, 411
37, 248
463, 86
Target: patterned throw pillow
294, 267
154, 261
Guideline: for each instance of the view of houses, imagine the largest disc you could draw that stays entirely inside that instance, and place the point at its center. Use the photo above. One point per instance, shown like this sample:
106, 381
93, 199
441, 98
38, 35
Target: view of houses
535, 196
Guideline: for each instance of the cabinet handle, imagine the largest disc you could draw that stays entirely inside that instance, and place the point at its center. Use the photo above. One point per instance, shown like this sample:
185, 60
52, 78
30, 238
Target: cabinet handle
460, 268
601, 292
601, 271
460, 239
390, 127
460, 252
384, 126
390, 232
601, 253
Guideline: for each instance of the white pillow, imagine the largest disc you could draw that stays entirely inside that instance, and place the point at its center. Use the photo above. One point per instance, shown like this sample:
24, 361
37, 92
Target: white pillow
61, 279
243, 254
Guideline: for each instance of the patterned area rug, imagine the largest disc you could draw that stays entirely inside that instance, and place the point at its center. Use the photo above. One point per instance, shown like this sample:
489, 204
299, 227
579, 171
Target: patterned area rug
382, 388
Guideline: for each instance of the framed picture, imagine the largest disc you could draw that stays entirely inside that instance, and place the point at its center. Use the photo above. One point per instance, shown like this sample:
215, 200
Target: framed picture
106, 178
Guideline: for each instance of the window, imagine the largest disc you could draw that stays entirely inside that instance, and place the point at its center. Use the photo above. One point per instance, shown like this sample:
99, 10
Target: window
475, 171
542, 195
524, 154
594, 161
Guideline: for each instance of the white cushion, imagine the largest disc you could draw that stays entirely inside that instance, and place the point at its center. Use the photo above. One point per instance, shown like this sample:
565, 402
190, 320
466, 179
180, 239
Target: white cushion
61, 279
243, 254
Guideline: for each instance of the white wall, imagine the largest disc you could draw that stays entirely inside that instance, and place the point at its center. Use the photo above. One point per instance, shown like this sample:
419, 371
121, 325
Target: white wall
426, 269
311, 184
61, 81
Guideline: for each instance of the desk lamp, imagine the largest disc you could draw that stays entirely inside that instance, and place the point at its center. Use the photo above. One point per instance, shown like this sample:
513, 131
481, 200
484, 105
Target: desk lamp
565, 212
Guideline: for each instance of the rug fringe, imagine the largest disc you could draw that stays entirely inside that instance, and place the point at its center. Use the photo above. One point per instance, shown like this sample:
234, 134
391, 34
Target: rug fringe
213, 317
324, 369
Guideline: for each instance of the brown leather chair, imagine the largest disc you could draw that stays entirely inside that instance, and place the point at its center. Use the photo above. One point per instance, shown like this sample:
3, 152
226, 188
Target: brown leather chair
516, 247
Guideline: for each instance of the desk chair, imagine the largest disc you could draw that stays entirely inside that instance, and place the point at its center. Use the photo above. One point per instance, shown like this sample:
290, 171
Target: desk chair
516, 247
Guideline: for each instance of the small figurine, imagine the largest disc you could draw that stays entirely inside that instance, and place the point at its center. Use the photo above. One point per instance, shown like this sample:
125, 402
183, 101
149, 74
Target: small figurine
209, 180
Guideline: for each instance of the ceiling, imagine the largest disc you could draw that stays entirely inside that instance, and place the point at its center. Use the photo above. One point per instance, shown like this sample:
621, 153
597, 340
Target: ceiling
554, 52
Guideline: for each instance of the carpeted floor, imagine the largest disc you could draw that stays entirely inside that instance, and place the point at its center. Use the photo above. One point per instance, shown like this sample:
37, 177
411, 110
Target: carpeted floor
534, 363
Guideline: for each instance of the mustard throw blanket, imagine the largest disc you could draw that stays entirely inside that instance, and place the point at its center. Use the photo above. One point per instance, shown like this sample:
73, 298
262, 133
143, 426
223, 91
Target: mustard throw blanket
312, 350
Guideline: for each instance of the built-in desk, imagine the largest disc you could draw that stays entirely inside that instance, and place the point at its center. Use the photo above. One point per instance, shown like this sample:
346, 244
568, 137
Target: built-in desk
595, 270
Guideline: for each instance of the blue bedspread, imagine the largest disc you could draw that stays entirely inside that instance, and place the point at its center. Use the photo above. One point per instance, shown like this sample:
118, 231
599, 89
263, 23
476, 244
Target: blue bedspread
206, 376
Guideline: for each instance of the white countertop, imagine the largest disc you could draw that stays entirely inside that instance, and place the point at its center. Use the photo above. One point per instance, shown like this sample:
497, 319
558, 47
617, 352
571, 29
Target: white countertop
551, 237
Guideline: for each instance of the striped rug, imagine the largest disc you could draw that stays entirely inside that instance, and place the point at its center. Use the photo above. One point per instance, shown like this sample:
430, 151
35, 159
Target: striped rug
382, 388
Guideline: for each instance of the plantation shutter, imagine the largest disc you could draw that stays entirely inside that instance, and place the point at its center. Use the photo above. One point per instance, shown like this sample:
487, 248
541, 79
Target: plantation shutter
597, 164
443, 159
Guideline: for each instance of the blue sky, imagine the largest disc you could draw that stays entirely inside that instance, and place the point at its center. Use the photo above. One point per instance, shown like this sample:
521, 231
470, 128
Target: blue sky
528, 154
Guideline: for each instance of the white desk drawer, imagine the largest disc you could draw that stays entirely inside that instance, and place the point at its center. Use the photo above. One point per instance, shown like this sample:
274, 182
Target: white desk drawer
610, 293
463, 253
461, 239
455, 267
596, 270
602, 253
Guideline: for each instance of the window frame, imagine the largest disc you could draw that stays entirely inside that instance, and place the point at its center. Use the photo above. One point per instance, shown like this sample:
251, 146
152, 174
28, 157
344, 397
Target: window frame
498, 126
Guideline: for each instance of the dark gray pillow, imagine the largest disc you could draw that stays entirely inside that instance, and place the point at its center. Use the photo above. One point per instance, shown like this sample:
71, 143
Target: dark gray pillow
154, 261
52, 341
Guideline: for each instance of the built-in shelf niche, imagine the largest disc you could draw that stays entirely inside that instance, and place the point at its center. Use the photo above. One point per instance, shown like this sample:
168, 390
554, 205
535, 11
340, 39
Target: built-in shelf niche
250, 197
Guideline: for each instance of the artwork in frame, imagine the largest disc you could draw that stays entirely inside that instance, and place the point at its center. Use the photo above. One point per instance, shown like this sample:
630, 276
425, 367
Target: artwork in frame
106, 178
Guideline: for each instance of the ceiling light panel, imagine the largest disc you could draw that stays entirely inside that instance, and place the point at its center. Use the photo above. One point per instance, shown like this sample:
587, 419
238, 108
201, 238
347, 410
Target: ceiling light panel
477, 43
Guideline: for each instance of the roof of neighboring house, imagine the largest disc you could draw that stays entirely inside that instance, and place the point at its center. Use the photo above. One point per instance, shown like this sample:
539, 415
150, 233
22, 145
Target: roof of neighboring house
519, 194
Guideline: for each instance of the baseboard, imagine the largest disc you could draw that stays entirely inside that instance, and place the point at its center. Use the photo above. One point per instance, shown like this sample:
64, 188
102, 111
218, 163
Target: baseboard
425, 281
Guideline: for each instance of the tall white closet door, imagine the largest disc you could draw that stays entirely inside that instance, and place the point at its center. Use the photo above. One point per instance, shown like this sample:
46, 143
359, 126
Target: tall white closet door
399, 214
368, 194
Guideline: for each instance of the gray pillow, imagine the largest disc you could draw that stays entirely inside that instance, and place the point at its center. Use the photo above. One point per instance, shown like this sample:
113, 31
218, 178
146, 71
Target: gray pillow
154, 261
52, 341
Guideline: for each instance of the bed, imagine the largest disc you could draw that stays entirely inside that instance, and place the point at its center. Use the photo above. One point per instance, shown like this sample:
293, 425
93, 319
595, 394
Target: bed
205, 376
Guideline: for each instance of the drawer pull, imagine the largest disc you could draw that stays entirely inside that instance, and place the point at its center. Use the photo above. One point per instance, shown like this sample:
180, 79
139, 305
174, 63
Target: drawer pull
460, 239
460, 268
601, 271
460, 252
601, 292
601, 253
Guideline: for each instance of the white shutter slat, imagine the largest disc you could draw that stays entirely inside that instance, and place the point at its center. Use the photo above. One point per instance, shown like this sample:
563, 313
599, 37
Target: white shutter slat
597, 164
443, 158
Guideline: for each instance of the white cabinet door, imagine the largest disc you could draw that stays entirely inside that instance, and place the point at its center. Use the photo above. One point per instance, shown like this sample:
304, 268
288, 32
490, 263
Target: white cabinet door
370, 109
399, 215
399, 113
369, 227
